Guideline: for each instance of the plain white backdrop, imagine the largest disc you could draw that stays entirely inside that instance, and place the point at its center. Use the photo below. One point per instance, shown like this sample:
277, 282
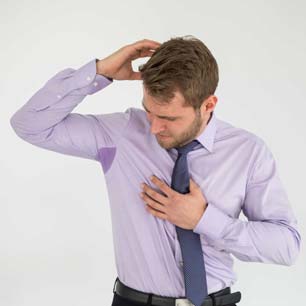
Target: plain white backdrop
56, 243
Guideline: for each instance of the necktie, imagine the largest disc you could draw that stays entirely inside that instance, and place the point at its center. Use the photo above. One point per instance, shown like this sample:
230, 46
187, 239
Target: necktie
190, 243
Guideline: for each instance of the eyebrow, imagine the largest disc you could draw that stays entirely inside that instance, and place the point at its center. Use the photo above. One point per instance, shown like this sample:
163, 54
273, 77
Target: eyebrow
162, 117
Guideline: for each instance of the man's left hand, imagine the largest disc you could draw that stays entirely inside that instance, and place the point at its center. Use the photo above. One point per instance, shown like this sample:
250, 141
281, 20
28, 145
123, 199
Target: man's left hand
183, 210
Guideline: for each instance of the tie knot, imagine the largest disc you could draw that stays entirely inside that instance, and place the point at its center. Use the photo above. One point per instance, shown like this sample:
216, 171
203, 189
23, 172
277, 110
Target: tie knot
187, 147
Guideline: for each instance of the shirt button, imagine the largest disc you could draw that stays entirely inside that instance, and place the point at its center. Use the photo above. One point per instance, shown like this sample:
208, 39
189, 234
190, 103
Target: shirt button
88, 78
95, 83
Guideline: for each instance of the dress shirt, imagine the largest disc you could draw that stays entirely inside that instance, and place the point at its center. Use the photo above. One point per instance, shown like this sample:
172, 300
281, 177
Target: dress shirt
234, 169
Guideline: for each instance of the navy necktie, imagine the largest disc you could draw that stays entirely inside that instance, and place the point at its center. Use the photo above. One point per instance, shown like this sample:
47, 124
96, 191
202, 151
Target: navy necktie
190, 243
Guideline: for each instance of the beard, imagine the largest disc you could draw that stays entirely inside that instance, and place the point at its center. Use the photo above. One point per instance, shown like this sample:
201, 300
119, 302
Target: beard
185, 137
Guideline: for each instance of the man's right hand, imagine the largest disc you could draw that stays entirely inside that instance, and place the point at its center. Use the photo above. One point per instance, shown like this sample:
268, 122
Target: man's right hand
118, 65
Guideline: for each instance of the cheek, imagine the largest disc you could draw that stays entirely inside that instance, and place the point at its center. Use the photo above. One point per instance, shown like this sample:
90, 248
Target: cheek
177, 129
172, 128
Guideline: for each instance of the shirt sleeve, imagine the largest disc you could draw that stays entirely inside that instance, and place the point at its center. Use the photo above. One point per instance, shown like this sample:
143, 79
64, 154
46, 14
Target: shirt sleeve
271, 234
47, 121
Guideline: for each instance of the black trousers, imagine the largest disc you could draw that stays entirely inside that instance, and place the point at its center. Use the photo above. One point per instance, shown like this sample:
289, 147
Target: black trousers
120, 301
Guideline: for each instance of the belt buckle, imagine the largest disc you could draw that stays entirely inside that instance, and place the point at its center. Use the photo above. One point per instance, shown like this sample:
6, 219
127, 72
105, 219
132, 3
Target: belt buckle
183, 302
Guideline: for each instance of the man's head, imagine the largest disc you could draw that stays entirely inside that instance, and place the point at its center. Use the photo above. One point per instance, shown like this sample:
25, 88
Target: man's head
179, 81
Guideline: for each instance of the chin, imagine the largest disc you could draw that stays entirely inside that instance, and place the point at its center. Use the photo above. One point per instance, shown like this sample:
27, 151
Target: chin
165, 144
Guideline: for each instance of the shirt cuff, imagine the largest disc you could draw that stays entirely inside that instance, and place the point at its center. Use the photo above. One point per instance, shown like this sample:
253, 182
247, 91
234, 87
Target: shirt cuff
109, 78
213, 222
87, 79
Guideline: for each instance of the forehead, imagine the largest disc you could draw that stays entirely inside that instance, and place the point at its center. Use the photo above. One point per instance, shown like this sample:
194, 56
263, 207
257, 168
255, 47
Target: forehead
173, 108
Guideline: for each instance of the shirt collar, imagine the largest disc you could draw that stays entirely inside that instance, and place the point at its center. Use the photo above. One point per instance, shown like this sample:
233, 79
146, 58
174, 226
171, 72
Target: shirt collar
207, 137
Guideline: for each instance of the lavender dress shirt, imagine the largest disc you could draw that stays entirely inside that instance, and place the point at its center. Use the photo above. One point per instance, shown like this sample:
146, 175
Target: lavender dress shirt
234, 169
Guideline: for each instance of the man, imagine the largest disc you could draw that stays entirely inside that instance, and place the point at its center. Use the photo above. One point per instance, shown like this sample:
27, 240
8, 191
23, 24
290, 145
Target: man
177, 176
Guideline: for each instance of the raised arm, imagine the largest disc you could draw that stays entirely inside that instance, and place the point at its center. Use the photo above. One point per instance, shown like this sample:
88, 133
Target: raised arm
47, 121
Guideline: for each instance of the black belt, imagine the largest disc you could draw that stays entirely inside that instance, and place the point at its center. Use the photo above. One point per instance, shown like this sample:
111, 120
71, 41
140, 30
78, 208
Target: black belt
222, 297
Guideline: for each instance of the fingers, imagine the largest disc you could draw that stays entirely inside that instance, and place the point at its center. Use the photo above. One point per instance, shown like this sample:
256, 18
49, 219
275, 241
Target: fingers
192, 183
145, 53
142, 53
193, 186
147, 44
139, 49
143, 48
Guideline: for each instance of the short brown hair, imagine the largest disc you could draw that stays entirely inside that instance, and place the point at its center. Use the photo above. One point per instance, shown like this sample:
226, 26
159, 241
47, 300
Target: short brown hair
184, 64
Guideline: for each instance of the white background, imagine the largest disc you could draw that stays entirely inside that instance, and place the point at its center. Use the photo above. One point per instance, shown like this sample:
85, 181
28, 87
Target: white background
55, 233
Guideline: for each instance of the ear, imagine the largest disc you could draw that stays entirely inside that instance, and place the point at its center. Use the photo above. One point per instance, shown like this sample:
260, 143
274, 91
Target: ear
211, 103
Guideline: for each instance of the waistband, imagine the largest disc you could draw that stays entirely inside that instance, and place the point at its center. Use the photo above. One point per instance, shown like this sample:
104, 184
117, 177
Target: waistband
218, 298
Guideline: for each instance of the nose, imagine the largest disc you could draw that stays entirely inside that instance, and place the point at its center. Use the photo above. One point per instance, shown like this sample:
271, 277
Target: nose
156, 126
